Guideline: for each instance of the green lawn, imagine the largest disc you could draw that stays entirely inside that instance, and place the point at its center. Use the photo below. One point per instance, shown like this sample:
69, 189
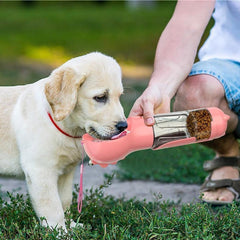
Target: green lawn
53, 32
105, 217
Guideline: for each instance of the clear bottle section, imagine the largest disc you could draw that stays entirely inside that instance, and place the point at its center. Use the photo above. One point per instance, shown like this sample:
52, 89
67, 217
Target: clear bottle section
180, 125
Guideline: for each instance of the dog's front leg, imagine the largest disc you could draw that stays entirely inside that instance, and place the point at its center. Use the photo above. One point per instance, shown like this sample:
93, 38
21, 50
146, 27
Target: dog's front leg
43, 190
65, 185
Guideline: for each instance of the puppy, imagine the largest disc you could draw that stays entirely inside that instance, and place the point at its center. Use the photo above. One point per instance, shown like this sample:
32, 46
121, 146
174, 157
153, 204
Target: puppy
41, 125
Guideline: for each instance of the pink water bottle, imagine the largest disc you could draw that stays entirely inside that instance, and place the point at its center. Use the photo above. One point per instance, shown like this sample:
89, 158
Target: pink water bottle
169, 130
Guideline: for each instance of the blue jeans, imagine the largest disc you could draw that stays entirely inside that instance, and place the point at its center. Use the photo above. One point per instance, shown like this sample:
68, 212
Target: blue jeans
228, 74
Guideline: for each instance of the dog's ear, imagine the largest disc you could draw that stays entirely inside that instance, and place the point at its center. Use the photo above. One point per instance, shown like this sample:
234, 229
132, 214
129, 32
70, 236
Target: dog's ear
61, 91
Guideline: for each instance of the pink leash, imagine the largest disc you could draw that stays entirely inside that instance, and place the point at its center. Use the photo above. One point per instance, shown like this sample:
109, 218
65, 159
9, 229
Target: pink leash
80, 194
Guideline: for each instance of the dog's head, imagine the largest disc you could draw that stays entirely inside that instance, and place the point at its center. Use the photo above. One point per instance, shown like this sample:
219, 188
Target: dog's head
85, 92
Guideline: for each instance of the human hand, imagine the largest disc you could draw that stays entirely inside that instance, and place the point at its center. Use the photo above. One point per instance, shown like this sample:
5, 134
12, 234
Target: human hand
152, 101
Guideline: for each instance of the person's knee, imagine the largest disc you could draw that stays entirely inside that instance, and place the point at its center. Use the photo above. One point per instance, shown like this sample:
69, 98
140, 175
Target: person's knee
197, 92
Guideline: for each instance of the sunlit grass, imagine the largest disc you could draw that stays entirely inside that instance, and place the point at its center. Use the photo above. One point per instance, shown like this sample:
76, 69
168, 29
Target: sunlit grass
76, 28
54, 56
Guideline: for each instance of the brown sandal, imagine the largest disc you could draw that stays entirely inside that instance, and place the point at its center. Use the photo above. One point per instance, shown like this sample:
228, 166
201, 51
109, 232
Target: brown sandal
232, 185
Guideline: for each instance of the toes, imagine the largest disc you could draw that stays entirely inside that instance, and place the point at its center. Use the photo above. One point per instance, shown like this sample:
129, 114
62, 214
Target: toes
210, 195
222, 194
225, 195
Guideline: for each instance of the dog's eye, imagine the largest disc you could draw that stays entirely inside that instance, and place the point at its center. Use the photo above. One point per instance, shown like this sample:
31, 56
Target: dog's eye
101, 98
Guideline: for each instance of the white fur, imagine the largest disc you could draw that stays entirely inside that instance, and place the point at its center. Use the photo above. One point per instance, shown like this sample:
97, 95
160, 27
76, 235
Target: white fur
31, 145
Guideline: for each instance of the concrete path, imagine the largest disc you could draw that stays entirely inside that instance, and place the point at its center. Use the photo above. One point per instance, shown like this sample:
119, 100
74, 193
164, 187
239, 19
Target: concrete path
94, 177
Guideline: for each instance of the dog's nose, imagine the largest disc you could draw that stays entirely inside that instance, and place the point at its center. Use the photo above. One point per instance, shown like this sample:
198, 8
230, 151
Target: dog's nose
121, 126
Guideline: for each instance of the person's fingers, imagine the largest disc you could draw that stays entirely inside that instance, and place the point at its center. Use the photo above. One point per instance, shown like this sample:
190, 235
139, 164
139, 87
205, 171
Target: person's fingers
148, 113
143, 107
148, 104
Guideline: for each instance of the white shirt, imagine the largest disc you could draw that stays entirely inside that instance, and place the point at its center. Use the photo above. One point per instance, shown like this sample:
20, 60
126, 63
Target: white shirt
224, 39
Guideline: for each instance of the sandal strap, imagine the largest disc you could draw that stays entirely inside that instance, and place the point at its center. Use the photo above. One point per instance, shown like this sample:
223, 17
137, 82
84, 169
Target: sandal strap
224, 183
221, 162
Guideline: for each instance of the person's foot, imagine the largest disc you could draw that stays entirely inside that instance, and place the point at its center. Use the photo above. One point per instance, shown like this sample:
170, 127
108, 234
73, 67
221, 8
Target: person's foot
221, 194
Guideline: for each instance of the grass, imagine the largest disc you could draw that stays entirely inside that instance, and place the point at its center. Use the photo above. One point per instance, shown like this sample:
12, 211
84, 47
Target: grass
180, 164
105, 217
53, 32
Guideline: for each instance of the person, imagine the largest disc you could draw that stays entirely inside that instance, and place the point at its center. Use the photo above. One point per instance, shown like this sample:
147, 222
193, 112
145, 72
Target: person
213, 81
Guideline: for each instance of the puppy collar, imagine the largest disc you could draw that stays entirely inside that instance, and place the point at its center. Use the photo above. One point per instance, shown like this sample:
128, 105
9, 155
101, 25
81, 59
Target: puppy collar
59, 129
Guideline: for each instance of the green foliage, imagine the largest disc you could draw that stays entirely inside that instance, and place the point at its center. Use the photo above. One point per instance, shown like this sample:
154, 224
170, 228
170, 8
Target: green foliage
105, 217
53, 32
18, 220
179, 164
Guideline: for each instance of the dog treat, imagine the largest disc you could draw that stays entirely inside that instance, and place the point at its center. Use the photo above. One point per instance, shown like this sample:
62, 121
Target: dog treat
199, 124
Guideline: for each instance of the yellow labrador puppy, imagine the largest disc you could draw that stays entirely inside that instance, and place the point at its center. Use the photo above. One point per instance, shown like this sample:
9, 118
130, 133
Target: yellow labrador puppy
40, 126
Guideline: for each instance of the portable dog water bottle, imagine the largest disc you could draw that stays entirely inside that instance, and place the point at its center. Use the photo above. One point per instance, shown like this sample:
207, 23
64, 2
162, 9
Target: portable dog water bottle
170, 130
